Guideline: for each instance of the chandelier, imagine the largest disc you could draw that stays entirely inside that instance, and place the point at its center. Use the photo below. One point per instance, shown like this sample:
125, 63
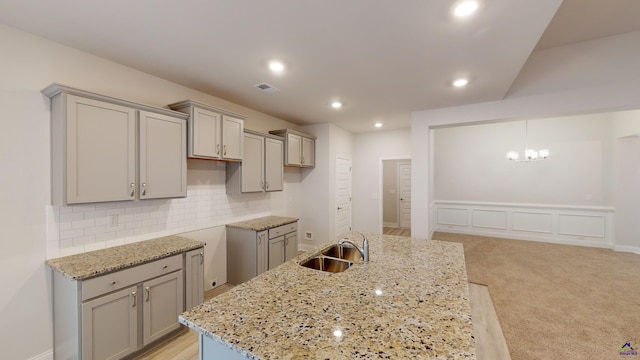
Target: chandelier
529, 154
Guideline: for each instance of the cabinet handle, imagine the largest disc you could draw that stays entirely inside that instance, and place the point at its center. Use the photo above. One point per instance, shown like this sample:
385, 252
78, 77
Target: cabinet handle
301, 160
339, 208
201, 257
218, 149
135, 297
112, 283
144, 189
133, 189
166, 266
266, 185
147, 290
224, 151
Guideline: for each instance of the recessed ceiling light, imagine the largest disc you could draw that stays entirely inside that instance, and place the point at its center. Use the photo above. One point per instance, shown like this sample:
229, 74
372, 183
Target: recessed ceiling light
336, 104
378, 124
460, 82
276, 66
465, 8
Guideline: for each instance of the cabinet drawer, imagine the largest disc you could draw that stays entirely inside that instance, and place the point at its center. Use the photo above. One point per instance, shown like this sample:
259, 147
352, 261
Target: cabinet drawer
283, 229
123, 278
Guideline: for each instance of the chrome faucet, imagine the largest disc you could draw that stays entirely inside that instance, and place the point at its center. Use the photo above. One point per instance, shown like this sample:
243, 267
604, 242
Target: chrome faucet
364, 251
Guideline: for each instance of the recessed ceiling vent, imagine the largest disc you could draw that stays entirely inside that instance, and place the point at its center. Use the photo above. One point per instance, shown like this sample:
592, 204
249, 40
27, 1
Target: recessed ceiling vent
267, 88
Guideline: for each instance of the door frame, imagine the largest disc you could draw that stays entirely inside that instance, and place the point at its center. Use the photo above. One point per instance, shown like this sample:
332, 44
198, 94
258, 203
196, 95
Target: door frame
398, 192
381, 189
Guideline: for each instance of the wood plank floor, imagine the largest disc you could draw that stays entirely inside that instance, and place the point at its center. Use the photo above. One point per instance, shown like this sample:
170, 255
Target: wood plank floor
387, 230
490, 343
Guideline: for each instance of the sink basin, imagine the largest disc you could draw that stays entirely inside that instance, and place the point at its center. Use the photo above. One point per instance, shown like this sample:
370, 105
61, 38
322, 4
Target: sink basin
328, 264
343, 252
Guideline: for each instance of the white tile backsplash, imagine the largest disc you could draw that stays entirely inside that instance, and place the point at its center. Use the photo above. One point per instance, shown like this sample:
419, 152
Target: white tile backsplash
80, 228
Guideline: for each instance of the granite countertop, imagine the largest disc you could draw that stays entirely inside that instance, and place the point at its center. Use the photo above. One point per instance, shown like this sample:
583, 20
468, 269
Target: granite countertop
263, 223
99, 262
411, 301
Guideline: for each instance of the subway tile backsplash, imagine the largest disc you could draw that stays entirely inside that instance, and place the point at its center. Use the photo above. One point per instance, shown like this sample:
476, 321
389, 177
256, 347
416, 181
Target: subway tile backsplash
75, 229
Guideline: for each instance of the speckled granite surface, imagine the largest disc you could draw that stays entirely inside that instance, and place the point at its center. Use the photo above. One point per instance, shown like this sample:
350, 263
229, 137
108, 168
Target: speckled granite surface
263, 223
411, 301
99, 262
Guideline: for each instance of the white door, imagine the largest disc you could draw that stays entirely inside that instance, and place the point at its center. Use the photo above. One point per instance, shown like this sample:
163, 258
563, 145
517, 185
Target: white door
343, 195
404, 195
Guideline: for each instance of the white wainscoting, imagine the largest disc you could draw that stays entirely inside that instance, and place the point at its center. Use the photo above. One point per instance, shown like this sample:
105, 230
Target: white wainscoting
572, 225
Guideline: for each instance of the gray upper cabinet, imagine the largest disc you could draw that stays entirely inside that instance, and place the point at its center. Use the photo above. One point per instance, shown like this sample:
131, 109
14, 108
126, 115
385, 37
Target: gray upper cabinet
213, 133
300, 148
261, 168
94, 144
163, 156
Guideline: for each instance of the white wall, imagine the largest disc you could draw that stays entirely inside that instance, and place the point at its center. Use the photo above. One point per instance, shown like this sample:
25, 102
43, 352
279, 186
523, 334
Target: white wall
471, 164
30, 64
317, 191
542, 91
626, 123
369, 151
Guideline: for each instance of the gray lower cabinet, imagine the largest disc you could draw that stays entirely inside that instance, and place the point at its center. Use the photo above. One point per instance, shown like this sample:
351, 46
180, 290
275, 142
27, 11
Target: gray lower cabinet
282, 248
194, 278
118, 314
251, 252
110, 325
247, 254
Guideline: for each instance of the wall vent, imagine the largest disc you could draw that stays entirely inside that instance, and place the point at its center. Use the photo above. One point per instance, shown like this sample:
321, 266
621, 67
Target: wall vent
267, 88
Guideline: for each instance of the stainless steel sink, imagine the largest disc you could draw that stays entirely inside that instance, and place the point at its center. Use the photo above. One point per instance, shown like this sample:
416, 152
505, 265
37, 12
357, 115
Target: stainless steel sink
328, 264
343, 252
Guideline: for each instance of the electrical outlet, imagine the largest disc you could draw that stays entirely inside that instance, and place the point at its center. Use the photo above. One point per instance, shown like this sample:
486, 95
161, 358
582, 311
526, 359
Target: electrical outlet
308, 235
113, 220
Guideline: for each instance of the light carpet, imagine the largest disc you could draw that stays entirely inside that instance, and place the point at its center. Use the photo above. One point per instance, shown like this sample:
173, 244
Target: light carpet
557, 302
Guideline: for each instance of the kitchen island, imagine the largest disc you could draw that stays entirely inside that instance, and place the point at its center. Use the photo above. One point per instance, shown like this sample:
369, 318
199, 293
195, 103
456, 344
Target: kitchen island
410, 301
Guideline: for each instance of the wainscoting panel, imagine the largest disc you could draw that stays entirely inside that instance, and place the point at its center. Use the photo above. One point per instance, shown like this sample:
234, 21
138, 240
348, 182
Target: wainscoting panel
538, 222
490, 219
582, 225
452, 216
571, 225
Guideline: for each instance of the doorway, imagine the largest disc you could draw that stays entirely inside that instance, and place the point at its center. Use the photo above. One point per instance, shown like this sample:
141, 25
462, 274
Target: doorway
396, 196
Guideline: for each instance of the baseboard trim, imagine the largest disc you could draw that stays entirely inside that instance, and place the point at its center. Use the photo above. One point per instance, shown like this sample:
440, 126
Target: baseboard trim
629, 249
390, 224
48, 355
597, 244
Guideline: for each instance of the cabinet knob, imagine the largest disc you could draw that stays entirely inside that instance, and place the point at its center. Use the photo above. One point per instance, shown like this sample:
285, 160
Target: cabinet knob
113, 283
166, 266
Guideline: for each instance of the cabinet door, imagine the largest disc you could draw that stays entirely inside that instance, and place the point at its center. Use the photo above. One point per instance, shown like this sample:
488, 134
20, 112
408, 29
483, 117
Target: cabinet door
232, 135
110, 325
263, 252
273, 164
276, 251
294, 149
101, 152
163, 303
253, 163
308, 152
291, 245
194, 276
205, 134
163, 156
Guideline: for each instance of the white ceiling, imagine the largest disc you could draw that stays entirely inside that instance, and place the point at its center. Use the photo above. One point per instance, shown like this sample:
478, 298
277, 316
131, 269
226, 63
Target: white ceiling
383, 59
